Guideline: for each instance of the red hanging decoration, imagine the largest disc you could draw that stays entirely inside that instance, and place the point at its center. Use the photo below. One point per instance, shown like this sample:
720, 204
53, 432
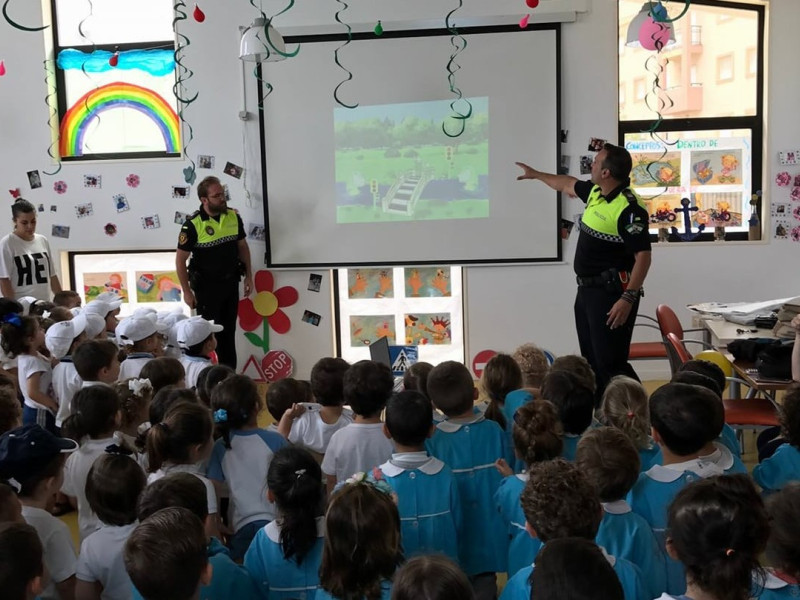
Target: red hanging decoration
2, 68
198, 14
114, 60
532, 3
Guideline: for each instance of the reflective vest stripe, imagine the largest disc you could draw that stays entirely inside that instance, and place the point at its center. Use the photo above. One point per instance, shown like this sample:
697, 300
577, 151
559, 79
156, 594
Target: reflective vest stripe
600, 217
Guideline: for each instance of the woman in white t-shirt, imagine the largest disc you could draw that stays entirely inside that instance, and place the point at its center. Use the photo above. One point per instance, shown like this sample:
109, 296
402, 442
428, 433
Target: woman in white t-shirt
26, 263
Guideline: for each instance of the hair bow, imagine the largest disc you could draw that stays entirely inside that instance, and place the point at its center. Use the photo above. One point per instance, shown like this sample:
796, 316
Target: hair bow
138, 386
13, 484
375, 479
115, 449
220, 416
12, 319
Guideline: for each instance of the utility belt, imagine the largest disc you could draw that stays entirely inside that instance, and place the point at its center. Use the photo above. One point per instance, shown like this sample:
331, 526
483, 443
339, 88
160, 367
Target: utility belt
198, 277
613, 280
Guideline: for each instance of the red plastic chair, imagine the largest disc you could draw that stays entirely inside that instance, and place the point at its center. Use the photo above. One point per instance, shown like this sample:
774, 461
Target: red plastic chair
740, 413
669, 323
647, 350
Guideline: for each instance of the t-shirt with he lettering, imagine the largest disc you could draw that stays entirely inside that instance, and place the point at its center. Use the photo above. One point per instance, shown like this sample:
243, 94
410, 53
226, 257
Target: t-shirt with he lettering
28, 265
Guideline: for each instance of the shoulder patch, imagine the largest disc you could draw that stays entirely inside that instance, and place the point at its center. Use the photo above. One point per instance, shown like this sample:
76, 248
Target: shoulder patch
183, 238
634, 228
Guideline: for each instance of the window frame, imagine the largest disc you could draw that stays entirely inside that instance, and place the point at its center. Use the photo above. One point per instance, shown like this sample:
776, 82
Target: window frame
755, 122
61, 96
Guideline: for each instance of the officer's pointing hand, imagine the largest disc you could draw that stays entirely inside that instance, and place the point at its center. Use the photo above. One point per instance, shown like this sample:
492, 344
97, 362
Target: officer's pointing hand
528, 172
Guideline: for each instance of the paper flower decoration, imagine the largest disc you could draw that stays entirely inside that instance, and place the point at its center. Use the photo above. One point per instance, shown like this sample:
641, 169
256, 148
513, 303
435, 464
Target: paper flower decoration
783, 179
796, 234
264, 309
110, 229
796, 213
132, 180
796, 194
60, 187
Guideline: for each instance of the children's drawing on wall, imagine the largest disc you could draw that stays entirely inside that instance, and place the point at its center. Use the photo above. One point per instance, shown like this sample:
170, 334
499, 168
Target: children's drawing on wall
424, 329
717, 167
95, 284
365, 329
662, 213
427, 282
781, 229
718, 209
157, 286
370, 283
651, 169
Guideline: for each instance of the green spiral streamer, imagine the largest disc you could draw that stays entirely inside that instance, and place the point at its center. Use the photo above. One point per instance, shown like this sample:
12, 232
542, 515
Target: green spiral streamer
184, 74
349, 39
459, 43
270, 47
52, 113
16, 25
664, 18
657, 103
83, 64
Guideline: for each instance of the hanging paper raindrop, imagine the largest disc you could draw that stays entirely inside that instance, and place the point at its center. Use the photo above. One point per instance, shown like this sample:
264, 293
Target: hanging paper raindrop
2, 68
378, 29
198, 14
523, 22
532, 3
114, 60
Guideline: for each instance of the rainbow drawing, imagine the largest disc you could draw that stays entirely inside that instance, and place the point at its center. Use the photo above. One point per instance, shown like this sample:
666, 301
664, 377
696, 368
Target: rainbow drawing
117, 95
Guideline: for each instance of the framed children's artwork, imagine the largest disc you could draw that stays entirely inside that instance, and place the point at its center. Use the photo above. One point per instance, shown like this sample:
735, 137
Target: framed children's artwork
411, 306
140, 278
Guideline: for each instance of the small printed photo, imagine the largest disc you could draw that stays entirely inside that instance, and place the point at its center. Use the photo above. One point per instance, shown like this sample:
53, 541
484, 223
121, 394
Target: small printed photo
780, 210
314, 282
566, 228
586, 164
41, 208
84, 210
781, 230
151, 222
227, 192
180, 217
563, 167
564, 135
596, 144
92, 181
233, 170
34, 179
121, 203
256, 232
60, 231
180, 191
205, 161
53, 208
311, 318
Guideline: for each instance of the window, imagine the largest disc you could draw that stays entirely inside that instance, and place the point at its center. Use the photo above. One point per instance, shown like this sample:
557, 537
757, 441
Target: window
115, 72
708, 148
622, 94
725, 68
639, 88
420, 306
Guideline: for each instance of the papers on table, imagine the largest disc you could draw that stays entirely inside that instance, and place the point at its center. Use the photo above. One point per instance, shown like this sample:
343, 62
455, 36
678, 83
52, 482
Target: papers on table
743, 313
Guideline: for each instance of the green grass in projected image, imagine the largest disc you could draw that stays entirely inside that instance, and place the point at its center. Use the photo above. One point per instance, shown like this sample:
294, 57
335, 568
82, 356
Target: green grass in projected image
394, 163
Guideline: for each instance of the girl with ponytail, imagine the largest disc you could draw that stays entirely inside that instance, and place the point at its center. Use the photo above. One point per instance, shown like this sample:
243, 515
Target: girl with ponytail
286, 554
718, 527
97, 415
242, 456
624, 407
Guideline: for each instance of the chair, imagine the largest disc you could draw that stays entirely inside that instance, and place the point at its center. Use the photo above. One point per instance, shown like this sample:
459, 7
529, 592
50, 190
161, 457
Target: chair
647, 350
740, 413
669, 323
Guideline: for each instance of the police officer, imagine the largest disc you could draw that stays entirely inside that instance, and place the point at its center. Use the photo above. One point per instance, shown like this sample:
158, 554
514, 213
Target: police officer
611, 260
214, 237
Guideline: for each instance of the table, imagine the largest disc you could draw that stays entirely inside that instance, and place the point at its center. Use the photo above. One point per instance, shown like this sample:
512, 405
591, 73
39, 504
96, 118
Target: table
719, 334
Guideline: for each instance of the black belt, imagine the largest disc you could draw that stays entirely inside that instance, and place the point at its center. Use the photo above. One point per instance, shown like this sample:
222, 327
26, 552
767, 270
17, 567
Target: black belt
609, 276
592, 281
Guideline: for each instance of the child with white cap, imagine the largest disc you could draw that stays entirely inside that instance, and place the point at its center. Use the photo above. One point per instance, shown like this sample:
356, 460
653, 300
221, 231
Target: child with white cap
196, 337
108, 309
95, 326
61, 339
171, 319
142, 333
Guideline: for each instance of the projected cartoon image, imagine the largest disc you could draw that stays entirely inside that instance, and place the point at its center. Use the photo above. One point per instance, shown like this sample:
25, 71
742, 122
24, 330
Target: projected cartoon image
370, 283
365, 329
428, 329
427, 282
394, 163
651, 169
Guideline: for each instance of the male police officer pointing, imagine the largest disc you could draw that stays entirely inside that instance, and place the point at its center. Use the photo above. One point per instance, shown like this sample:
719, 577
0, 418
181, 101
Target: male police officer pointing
214, 237
611, 260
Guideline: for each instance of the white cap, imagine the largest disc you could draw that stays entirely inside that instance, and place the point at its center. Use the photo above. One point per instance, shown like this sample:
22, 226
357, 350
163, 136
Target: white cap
108, 297
171, 320
59, 336
135, 329
102, 307
95, 324
144, 311
194, 330
27, 302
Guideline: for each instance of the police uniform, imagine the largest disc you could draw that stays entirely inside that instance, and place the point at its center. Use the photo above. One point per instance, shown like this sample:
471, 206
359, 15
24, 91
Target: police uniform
214, 272
612, 229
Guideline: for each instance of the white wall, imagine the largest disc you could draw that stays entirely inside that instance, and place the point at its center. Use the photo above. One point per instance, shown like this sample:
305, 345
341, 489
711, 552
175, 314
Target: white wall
505, 305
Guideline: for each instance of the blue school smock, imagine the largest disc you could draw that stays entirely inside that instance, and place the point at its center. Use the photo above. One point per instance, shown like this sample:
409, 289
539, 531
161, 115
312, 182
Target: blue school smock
522, 548
775, 588
228, 580
470, 448
779, 469
428, 503
650, 456
625, 534
570, 447
652, 494
386, 592
276, 577
725, 460
728, 437
519, 587
513, 402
